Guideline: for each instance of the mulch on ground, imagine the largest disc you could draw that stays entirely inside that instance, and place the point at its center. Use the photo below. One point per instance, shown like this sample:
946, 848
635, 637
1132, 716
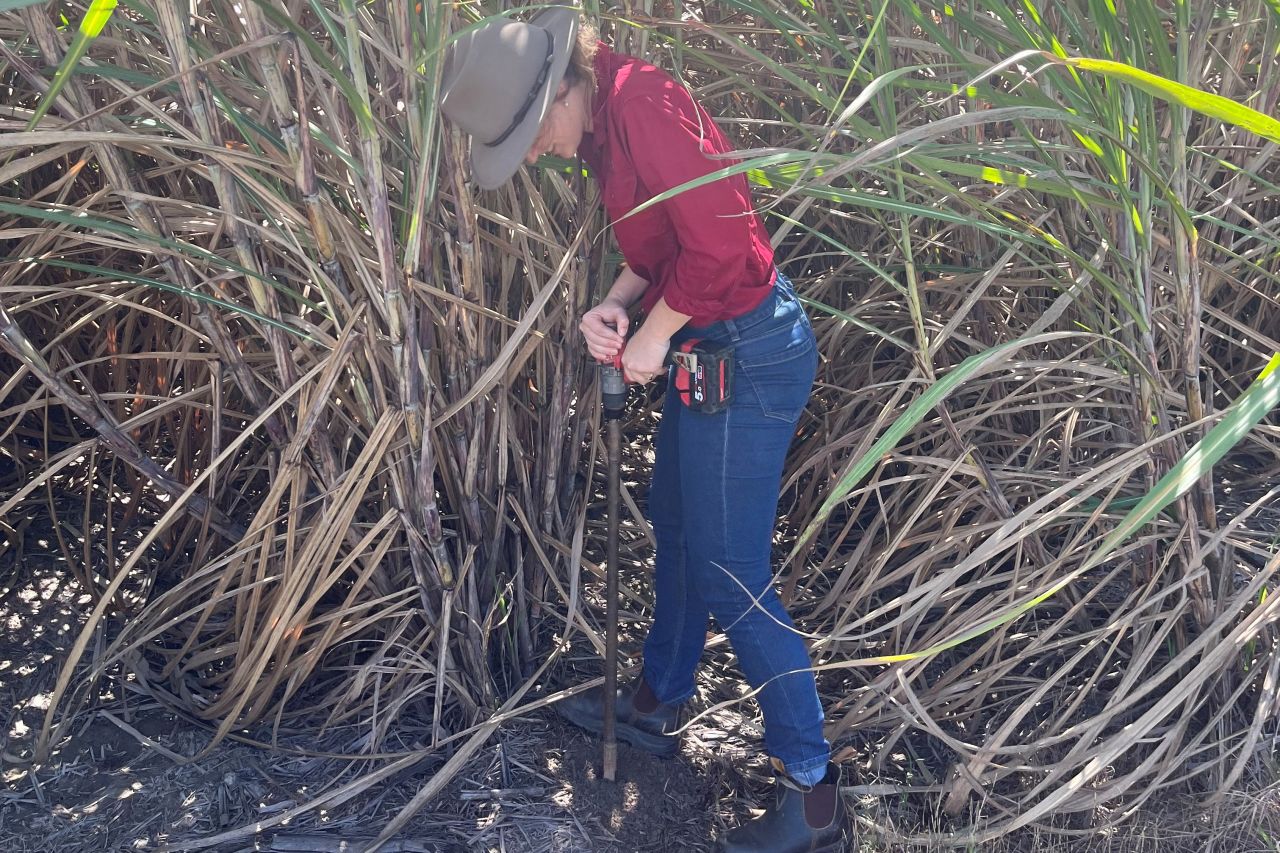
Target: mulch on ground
134, 777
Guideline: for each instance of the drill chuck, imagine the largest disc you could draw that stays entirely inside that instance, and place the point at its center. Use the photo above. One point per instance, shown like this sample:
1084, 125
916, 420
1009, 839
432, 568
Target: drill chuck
613, 390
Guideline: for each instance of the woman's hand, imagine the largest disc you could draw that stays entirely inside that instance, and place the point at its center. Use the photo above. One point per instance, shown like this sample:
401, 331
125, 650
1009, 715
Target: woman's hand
644, 358
605, 330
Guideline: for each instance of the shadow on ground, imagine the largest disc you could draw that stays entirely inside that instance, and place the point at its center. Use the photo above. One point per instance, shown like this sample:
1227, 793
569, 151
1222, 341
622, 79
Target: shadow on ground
130, 776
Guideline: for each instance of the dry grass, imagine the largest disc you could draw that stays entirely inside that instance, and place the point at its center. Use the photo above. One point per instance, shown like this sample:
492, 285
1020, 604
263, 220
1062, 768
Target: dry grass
316, 434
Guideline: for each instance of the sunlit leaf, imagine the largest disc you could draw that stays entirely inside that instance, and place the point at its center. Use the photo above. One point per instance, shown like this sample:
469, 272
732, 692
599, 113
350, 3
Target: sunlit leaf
94, 21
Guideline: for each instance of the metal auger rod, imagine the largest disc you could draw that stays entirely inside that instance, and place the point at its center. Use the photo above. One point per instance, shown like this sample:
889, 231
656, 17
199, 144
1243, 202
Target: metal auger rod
613, 394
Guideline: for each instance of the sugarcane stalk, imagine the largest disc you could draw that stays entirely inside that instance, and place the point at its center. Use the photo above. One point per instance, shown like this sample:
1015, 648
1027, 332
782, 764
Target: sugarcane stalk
195, 94
308, 188
146, 218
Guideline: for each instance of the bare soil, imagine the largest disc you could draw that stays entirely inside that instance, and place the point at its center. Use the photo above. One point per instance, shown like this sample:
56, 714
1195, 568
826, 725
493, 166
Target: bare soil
134, 777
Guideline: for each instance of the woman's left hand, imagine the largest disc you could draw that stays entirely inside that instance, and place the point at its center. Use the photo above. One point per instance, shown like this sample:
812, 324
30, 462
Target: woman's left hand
644, 357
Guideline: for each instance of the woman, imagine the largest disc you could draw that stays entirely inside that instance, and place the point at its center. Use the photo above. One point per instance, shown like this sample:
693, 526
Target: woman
701, 266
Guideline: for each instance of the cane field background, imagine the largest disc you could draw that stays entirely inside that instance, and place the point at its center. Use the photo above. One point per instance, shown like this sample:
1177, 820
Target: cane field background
301, 511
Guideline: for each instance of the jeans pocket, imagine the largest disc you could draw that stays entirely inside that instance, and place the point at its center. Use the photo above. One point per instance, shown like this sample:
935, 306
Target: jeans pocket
780, 388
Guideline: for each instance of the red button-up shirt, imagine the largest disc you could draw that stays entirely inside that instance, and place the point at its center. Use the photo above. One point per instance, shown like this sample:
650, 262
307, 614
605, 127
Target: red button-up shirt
705, 249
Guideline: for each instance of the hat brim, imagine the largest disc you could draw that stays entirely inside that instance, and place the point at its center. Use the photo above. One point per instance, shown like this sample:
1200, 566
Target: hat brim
491, 167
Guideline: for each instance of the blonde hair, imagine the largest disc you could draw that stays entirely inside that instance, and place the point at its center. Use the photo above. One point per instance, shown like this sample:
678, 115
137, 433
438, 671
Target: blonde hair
582, 64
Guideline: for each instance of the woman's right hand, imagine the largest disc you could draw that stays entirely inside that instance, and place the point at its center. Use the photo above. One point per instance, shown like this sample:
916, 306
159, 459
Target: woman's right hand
605, 330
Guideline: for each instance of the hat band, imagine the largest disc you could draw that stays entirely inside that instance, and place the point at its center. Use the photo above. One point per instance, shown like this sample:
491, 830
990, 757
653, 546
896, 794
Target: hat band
533, 94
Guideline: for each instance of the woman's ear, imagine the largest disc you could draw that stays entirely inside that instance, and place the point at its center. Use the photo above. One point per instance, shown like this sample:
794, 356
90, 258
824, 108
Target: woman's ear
562, 90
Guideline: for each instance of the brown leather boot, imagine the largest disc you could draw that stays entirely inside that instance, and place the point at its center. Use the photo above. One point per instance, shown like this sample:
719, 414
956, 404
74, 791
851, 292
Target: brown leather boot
801, 821
651, 729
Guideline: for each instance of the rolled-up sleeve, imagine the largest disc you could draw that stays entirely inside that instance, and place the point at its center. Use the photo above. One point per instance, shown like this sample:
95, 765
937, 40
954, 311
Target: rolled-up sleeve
712, 222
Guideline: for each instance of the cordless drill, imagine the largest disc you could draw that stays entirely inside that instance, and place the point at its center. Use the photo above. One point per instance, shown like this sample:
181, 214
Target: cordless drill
704, 378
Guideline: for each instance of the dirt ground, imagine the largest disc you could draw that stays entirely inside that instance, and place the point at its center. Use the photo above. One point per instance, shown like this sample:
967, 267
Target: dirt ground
112, 793
133, 777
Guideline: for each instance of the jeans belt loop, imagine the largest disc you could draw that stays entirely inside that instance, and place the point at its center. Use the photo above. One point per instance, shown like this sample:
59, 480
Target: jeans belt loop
731, 326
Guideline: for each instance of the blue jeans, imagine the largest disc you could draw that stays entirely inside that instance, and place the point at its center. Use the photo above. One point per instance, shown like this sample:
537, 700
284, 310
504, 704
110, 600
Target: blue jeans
713, 504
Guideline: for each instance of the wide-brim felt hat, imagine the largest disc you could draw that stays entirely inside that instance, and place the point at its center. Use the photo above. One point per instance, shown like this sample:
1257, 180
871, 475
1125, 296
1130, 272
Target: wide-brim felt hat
498, 83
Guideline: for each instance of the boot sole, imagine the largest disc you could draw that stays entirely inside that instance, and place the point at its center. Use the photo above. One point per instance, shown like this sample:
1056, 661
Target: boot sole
663, 746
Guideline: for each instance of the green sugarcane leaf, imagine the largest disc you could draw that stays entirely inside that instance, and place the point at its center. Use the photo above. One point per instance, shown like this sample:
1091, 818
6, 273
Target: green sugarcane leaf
921, 406
1190, 97
758, 163
96, 18
90, 27
15, 5
1242, 416
772, 170
1271, 367
1009, 178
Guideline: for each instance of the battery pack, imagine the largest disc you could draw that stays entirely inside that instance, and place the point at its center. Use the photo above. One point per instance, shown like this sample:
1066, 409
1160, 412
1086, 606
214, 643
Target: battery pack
704, 375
